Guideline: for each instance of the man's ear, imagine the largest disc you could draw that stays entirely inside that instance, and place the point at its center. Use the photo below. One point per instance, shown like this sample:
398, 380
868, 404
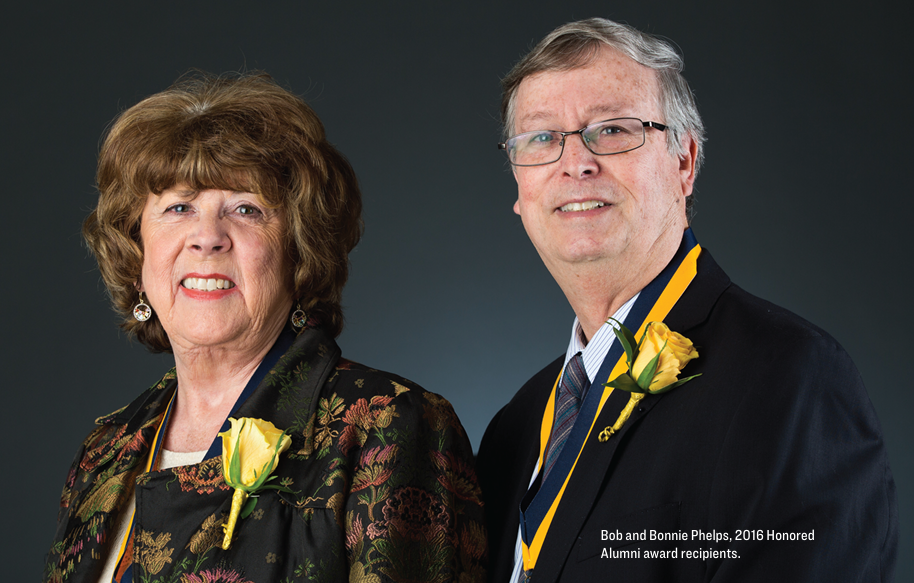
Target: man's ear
517, 202
687, 165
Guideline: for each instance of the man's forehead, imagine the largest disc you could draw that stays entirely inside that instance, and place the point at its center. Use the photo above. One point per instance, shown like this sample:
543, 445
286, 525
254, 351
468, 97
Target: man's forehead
610, 85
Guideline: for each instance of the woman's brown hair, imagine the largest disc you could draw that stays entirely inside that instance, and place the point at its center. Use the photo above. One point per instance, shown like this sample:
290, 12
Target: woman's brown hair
243, 133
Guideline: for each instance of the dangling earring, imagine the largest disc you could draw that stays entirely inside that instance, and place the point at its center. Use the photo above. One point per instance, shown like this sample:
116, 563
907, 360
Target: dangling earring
299, 317
142, 311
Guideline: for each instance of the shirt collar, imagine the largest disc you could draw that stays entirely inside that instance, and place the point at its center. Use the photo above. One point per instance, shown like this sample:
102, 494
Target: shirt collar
594, 352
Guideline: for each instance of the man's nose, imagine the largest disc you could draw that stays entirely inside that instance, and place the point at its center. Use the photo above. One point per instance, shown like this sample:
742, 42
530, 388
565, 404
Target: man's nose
577, 160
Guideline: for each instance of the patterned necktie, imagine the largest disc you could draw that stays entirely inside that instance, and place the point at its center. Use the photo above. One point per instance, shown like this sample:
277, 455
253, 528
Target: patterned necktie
567, 404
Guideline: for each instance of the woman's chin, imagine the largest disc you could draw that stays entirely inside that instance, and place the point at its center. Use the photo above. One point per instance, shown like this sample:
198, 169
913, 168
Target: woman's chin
208, 334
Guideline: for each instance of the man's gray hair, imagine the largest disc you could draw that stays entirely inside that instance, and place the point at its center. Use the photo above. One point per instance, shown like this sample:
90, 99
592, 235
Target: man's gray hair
576, 44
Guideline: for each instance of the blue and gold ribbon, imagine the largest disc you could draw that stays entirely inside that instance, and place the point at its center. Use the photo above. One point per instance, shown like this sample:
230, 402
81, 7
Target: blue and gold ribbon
124, 571
539, 507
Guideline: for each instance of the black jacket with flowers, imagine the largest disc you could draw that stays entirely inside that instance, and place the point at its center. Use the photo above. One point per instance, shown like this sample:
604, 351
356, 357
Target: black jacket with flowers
382, 473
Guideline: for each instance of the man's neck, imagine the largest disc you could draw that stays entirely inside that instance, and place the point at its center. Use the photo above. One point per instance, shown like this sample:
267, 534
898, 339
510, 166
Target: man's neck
596, 290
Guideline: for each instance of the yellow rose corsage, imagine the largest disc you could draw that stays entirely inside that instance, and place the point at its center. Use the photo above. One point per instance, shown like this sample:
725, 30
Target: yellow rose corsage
250, 453
654, 365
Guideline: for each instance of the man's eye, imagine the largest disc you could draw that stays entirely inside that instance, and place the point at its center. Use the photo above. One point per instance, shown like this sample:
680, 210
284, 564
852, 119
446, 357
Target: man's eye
542, 138
611, 130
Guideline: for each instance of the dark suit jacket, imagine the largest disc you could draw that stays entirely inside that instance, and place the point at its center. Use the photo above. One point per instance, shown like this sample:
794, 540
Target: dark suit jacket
777, 436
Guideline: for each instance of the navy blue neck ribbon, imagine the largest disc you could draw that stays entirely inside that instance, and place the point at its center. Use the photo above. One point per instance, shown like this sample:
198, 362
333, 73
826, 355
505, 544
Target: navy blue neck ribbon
537, 501
280, 347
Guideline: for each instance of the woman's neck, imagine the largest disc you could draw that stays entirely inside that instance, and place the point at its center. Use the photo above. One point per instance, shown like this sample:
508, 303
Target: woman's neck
209, 383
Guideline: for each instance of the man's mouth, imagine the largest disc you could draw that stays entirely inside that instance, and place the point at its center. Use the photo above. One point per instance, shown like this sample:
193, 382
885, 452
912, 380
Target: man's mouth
204, 284
582, 206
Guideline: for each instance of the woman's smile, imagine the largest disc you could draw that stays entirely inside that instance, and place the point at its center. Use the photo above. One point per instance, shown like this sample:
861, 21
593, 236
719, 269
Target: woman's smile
207, 283
207, 287
214, 267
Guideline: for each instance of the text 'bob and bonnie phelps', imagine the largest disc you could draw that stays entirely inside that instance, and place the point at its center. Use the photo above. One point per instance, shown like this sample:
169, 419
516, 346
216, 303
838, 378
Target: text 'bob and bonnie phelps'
713, 536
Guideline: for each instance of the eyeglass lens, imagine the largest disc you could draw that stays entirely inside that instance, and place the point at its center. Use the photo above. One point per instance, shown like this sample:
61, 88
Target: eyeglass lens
606, 137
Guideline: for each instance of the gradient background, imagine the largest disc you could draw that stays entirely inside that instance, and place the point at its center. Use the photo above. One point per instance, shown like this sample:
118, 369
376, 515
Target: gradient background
805, 199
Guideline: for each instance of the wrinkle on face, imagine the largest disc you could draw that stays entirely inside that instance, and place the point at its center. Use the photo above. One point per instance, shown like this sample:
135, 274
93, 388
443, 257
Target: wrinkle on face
642, 188
219, 234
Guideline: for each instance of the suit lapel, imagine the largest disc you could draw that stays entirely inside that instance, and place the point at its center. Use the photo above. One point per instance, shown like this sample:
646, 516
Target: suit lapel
695, 305
584, 487
288, 394
288, 397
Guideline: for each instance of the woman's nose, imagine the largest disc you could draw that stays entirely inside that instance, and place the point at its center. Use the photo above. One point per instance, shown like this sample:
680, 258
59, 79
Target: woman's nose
209, 235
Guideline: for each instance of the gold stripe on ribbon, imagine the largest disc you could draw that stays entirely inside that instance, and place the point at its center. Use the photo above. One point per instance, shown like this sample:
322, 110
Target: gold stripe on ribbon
677, 285
150, 464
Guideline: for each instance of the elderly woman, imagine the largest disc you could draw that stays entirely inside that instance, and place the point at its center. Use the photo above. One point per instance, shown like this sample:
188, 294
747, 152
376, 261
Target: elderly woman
222, 231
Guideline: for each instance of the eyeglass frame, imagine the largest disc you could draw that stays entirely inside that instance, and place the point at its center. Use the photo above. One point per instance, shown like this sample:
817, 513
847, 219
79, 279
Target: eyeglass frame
644, 124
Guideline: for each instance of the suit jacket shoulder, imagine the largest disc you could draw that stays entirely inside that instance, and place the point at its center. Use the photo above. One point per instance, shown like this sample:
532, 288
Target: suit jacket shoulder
507, 455
776, 439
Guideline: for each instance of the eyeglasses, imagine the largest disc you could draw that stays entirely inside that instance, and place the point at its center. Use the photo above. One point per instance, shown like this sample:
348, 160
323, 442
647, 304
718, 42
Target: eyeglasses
613, 136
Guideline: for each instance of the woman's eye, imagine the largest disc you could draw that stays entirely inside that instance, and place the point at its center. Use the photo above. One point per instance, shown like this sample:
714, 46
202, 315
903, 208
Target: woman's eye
178, 208
247, 209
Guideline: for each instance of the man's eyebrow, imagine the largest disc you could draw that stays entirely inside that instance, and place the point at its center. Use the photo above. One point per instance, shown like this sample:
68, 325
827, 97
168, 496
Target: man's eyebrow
541, 118
535, 117
604, 111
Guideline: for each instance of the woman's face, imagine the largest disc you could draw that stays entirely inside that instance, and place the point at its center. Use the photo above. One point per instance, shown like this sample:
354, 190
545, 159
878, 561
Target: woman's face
214, 268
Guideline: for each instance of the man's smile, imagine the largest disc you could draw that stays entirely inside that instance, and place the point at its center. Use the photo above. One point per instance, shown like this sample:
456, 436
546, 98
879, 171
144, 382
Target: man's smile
581, 206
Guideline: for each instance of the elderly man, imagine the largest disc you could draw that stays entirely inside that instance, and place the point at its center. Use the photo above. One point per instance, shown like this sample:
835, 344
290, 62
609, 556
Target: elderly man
767, 463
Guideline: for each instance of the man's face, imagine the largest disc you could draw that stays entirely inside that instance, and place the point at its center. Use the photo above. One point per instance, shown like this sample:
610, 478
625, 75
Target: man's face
620, 209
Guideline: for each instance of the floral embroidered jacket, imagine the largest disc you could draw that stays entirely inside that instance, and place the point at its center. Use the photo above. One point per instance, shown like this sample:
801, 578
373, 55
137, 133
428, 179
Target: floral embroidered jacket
382, 471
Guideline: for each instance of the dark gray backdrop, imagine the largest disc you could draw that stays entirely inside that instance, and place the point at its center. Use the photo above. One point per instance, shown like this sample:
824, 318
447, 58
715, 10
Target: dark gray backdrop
805, 197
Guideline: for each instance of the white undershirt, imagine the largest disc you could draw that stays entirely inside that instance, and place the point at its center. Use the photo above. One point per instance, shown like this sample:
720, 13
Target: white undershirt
169, 459
593, 354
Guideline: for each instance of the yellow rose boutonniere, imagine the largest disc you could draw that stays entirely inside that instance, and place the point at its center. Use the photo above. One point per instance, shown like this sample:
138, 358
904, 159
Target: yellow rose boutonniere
250, 452
654, 365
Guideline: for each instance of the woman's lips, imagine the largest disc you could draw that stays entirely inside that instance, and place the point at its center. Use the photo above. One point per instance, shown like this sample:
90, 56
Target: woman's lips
207, 286
207, 283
